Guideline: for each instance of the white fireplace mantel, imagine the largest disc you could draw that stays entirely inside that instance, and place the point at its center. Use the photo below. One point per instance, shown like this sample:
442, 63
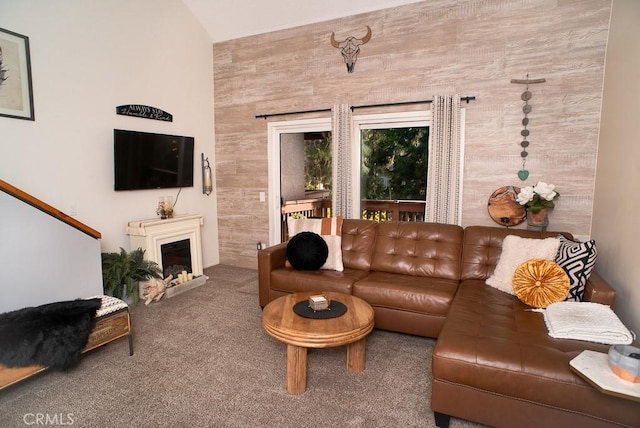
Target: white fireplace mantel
150, 235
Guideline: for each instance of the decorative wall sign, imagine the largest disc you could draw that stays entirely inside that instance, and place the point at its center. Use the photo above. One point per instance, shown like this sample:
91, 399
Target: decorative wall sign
523, 174
16, 91
145, 112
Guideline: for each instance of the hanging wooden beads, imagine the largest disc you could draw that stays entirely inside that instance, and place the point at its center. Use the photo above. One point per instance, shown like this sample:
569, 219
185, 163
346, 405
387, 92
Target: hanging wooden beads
523, 174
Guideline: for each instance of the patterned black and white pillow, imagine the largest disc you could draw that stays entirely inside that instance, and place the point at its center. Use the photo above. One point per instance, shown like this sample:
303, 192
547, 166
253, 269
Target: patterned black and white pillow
577, 259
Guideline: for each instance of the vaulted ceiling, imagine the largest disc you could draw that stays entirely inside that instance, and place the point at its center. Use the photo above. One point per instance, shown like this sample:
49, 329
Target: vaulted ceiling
231, 19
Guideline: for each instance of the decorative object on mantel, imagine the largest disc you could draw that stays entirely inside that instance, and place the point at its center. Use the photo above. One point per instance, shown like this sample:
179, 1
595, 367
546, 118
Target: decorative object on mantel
15, 76
539, 200
165, 207
503, 207
350, 48
145, 112
523, 174
207, 183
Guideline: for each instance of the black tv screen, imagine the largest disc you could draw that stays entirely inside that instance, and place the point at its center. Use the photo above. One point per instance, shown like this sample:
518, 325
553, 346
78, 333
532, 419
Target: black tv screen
144, 160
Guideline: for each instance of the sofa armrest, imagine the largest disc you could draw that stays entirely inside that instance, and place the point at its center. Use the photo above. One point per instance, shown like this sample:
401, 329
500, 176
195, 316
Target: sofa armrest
599, 291
269, 259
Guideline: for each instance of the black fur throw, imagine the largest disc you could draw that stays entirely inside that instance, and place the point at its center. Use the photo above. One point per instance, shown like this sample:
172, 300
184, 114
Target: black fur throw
51, 335
307, 251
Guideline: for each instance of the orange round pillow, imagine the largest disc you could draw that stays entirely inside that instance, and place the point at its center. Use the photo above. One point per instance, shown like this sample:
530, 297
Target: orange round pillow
540, 282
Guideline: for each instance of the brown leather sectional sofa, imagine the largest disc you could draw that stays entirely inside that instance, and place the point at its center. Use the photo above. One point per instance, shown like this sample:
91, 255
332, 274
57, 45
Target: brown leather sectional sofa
494, 362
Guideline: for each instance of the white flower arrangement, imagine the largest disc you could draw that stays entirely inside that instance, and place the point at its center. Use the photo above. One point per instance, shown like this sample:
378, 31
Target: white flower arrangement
537, 197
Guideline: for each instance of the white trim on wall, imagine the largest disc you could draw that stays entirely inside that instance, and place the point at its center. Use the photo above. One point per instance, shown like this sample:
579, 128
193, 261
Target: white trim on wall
274, 131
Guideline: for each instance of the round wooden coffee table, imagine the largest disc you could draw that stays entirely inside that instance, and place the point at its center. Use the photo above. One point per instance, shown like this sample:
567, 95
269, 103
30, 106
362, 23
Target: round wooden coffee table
299, 333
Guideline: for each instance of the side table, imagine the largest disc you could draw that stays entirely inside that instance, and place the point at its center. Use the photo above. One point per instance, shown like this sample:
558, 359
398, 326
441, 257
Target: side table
594, 368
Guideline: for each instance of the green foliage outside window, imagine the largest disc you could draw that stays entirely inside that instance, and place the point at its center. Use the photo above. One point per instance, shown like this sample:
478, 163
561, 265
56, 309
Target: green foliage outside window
318, 164
394, 163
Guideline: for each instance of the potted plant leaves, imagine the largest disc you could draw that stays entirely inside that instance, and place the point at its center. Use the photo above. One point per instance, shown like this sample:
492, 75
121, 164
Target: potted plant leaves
122, 271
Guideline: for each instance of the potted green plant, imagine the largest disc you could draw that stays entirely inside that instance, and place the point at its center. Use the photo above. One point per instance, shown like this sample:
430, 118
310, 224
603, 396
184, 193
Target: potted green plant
122, 271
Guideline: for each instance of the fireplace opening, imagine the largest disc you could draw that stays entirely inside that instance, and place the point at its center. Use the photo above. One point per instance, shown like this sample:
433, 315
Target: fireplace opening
176, 257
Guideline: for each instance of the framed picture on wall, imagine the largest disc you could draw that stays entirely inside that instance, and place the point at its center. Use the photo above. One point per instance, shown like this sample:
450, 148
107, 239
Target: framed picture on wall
16, 92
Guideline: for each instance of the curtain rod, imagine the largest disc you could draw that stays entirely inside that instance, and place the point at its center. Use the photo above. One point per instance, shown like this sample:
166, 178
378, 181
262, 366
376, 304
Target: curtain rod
267, 115
466, 98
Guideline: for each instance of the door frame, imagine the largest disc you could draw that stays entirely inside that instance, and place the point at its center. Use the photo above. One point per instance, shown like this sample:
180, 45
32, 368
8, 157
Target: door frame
274, 131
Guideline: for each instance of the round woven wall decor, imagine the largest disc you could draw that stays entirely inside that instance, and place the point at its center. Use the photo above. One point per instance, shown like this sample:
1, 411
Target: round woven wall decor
503, 207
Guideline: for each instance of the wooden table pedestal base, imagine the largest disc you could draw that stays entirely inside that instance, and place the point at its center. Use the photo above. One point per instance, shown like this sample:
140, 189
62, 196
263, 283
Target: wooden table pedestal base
299, 333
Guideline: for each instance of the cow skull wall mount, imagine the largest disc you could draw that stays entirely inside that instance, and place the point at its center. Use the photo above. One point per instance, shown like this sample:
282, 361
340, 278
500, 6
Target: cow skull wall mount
350, 48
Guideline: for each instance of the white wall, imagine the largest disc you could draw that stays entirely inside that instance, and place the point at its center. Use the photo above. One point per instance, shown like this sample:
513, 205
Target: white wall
616, 206
87, 58
43, 259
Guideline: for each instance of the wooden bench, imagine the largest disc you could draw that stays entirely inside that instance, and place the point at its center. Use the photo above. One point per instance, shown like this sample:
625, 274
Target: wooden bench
112, 322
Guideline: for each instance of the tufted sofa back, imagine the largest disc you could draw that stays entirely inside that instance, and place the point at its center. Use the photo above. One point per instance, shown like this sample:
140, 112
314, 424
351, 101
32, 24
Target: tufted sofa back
418, 249
358, 240
483, 245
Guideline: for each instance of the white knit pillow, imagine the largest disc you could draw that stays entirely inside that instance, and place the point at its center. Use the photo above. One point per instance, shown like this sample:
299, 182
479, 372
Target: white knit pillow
515, 251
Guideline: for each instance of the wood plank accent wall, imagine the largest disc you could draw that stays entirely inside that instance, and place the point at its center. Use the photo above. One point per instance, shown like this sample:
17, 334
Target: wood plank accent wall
472, 47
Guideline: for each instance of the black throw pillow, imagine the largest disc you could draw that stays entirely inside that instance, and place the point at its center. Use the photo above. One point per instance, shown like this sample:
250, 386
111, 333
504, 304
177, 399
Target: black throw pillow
307, 251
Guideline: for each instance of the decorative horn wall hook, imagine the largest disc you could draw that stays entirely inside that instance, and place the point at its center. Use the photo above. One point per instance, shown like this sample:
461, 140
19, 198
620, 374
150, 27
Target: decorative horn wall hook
350, 48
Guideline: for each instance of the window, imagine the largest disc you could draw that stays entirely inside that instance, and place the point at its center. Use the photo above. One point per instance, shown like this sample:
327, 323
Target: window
393, 158
394, 163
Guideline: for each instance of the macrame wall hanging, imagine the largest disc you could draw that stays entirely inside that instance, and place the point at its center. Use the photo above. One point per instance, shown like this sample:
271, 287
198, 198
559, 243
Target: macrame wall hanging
523, 174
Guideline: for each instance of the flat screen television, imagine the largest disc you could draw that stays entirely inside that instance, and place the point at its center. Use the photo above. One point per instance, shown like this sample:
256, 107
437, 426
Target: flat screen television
144, 160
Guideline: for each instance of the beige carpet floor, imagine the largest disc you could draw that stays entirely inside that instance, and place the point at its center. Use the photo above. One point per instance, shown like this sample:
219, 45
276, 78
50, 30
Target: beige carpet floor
202, 360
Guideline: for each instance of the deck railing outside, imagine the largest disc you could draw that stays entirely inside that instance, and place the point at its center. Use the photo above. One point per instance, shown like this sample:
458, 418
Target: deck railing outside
320, 207
392, 210
371, 210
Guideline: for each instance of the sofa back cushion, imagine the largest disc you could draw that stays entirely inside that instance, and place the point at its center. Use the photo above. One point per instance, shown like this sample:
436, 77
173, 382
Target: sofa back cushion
418, 249
483, 246
358, 241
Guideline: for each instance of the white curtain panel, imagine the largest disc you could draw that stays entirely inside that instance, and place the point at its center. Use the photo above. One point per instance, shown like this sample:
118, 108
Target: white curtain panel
443, 169
342, 155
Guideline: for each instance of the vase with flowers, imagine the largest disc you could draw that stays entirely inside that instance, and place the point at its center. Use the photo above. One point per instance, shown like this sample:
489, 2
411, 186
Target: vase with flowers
539, 200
